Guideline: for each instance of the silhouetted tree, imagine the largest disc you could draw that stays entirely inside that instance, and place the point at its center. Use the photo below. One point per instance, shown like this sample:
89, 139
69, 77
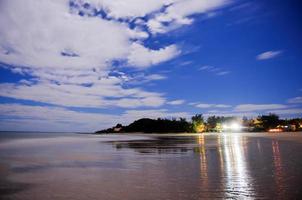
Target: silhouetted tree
146, 125
119, 126
212, 122
198, 124
268, 121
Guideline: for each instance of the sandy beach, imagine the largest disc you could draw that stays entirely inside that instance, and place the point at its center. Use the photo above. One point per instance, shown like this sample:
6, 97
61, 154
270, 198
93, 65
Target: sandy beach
153, 166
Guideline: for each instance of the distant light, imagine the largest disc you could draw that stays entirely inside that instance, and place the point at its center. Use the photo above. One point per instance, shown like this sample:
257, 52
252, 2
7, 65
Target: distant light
233, 127
224, 127
275, 130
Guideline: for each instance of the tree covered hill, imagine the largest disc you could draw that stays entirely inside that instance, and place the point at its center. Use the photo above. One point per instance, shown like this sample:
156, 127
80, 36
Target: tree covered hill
212, 124
146, 125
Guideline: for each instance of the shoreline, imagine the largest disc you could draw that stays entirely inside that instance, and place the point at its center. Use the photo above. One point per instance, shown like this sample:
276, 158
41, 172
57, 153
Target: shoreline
285, 136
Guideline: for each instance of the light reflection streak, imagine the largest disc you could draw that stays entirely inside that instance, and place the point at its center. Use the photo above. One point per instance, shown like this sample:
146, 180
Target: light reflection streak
220, 153
232, 164
259, 147
278, 168
237, 175
203, 160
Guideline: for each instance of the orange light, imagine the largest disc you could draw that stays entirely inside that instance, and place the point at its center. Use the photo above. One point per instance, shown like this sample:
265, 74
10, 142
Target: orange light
275, 130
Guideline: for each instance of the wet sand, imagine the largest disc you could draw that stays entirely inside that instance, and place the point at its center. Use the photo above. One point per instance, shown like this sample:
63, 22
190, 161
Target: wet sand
170, 166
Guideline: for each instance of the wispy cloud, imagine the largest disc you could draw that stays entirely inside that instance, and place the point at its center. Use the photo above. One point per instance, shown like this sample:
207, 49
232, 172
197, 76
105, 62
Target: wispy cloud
140, 56
230, 113
70, 50
249, 13
104, 92
250, 110
287, 111
205, 105
222, 73
215, 70
296, 100
140, 78
185, 63
258, 107
46, 118
176, 102
268, 55
242, 7
280, 112
178, 14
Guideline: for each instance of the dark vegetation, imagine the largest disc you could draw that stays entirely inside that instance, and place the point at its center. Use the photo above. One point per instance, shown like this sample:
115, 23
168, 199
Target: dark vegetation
211, 124
146, 125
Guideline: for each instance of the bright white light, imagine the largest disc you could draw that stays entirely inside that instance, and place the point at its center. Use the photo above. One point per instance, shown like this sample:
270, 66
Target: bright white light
224, 126
234, 126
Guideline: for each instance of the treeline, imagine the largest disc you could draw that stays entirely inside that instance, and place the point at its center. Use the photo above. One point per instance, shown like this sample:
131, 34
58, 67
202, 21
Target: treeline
212, 124
146, 125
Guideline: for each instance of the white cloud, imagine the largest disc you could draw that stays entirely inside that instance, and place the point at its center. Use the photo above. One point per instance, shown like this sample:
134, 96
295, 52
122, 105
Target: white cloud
40, 118
43, 118
296, 100
281, 112
203, 105
106, 92
222, 106
253, 110
176, 102
154, 77
216, 70
292, 111
179, 13
186, 63
249, 110
140, 78
268, 55
38, 34
143, 57
70, 58
42, 31
154, 114
230, 114
223, 73
206, 68
258, 107
65, 52
129, 8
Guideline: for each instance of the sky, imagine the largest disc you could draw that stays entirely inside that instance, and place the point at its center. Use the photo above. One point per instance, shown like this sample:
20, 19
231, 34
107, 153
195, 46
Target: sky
85, 65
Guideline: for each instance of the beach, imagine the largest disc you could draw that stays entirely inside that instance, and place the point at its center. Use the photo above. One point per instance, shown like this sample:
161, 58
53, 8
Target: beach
151, 166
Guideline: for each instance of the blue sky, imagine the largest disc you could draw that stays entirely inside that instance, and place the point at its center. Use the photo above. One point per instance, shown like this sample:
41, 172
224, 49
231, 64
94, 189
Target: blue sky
83, 65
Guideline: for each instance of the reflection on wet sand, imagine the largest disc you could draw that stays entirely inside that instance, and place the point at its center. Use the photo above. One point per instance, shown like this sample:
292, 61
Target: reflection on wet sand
225, 160
8, 187
238, 180
203, 162
231, 166
157, 145
202, 166
279, 176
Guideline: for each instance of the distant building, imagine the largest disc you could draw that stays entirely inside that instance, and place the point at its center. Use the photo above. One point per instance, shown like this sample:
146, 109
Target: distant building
117, 129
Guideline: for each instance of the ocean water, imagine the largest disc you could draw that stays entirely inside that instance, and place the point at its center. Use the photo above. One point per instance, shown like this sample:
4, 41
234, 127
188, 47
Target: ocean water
23, 135
127, 166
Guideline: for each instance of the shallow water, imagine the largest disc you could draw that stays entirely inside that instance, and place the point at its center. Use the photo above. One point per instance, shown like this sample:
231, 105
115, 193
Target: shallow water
207, 166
